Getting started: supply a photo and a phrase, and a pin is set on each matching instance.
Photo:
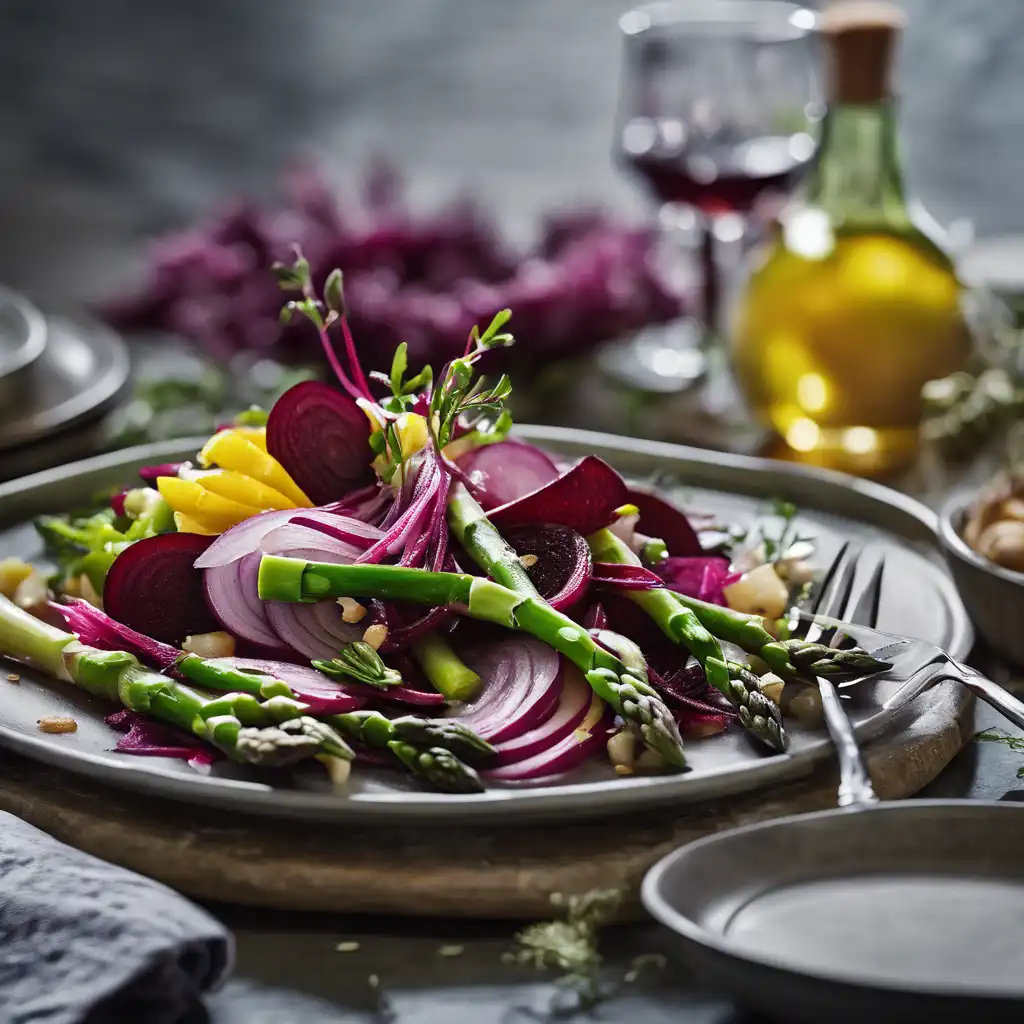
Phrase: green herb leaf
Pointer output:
(359, 661)
(399, 365)
(333, 294)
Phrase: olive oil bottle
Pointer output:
(850, 307)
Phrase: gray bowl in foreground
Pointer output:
(992, 595)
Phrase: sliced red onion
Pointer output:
(500, 473)
(242, 539)
(520, 676)
(232, 596)
(152, 473)
(627, 577)
(324, 695)
(398, 695)
(595, 618)
(344, 528)
(573, 704)
(313, 630)
(572, 750)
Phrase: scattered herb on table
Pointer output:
(999, 736)
(569, 945)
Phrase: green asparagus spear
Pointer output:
(292, 579)
(759, 714)
(790, 659)
(639, 703)
(437, 749)
(268, 734)
(445, 670)
(683, 626)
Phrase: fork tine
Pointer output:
(826, 583)
(865, 611)
(835, 592)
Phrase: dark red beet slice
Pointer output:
(583, 498)
(660, 518)
(151, 738)
(702, 577)
(562, 570)
(154, 588)
(628, 577)
(322, 438)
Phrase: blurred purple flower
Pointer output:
(422, 280)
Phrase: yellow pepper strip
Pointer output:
(230, 450)
(258, 436)
(238, 487)
(189, 524)
(190, 498)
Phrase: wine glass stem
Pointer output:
(710, 282)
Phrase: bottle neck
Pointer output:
(857, 180)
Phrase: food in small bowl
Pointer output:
(983, 541)
(994, 523)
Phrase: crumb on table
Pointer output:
(13, 677)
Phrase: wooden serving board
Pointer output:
(434, 870)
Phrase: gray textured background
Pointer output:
(120, 118)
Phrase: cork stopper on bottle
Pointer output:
(861, 37)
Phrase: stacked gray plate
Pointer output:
(58, 375)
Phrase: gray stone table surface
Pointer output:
(119, 119)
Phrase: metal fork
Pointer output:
(834, 602)
(919, 665)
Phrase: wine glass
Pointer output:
(717, 116)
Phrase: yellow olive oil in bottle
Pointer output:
(850, 307)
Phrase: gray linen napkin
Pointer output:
(83, 940)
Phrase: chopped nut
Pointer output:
(650, 762)
(57, 723)
(13, 677)
(759, 592)
(346, 947)
(452, 950)
(32, 591)
(622, 749)
(1003, 543)
(210, 645)
(338, 769)
(376, 635)
(528, 561)
(771, 686)
(351, 610)
(12, 572)
(805, 706)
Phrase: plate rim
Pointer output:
(592, 799)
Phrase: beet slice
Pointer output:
(584, 498)
(660, 518)
(153, 588)
(561, 572)
(322, 438)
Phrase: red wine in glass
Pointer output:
(721, 173)
(716, 176)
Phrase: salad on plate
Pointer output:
(375, 572)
